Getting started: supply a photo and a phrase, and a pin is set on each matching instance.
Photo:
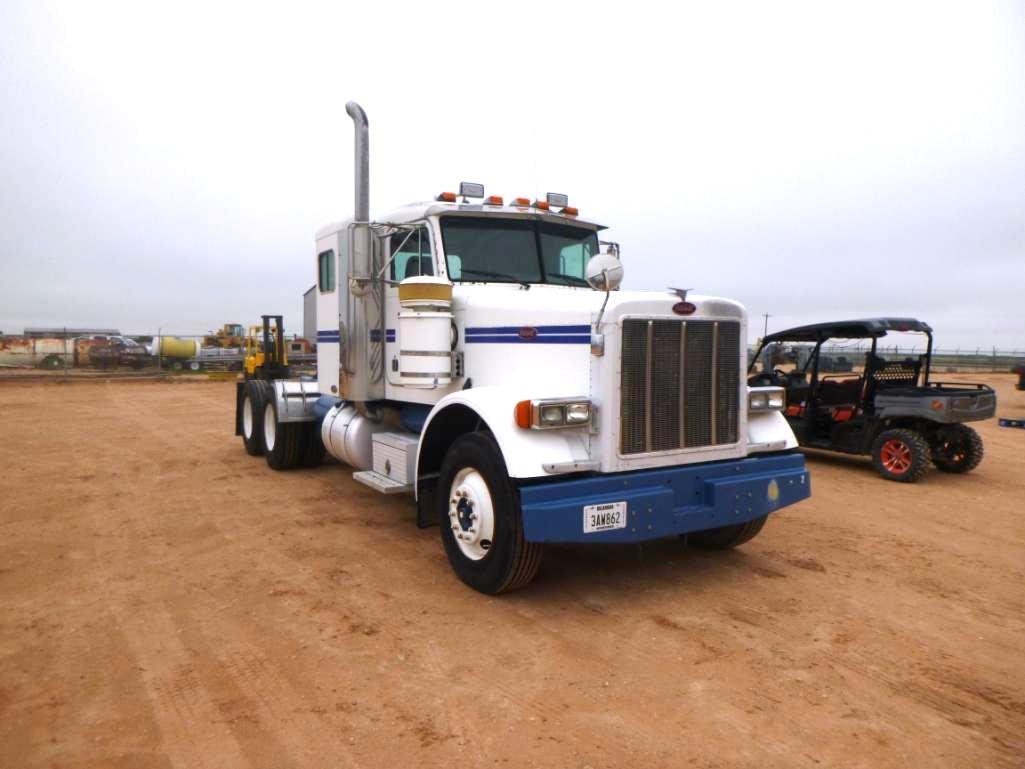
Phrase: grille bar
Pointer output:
(712, 405)
(682, 393)
(648, 376)
(679, 386)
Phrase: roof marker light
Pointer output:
(541, 205)
(493, 200)
(446, 197)
(569, 211)
(521, 202)
(557, 199)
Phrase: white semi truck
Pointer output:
(478, 355)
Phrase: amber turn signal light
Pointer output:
(523, 414)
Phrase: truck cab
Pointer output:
(480, 355)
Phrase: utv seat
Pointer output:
(838, 392)
(882, 374)
(843, 413)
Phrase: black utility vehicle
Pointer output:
(891, 410)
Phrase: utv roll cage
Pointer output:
(868, 328)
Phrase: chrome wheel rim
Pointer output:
(270, 427)
(471, 513)
(247, 417)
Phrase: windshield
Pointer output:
(479, 249)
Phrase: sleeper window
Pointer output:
(326, 271)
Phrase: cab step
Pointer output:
(382, 483)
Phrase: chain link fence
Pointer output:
(84, 353)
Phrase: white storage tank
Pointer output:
(425, 331)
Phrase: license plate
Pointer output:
(605, 517)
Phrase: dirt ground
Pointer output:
(168, 601)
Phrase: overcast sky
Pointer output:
(168, 164)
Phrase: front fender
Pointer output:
(526, 452)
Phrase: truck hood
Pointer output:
(540, 337)
(541, 305)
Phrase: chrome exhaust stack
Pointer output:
(362, 374)
(361, 163)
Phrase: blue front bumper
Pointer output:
(666, 501)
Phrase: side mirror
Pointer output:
(604, 271)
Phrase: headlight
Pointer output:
(578, 413)
(549, 414)
(766, 399)
(552, 416)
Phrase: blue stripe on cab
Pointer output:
(503, 330)
(515, 339)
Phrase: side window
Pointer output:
(571, 259)
(326, 271)
(411, 254)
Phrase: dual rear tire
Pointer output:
(280, 439)
(283, 444)
(254, 402)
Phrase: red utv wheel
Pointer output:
(901, 455)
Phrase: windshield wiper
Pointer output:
(578, 281)
(489, 274)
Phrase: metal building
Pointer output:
(310, 314)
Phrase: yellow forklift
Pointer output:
(264, 355)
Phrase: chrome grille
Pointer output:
(680, 384)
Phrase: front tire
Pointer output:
(901, 455)
(726, 537)
(957, 449)
(481, 520)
